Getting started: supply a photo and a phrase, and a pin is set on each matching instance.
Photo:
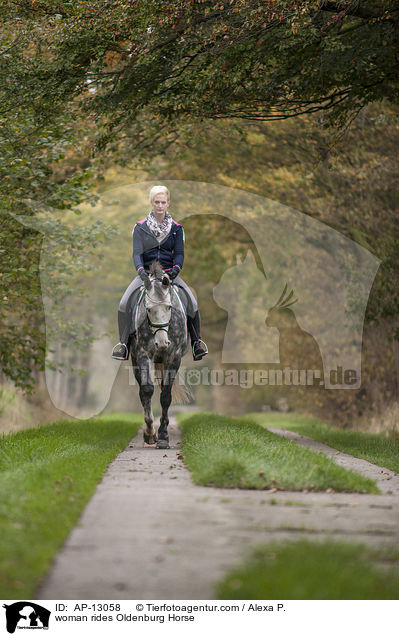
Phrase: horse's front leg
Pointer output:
(166, 399)
(143, 377)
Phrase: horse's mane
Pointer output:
(156, 269)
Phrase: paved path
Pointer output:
(150, 533)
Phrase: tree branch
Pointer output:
(356, 9)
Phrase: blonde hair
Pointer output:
(159, 189)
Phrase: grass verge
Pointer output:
(307, 570)
(238, 453)
(377, 449)
(47, 475)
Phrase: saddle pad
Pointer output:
(181, 298)
(181, 303)
(135, 311)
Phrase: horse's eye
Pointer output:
(169, 306)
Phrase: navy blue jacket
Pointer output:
(146, 248)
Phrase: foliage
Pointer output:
(353, 191)
(30, 182)
(143, 69)
(45, 165)
(138, 78)
(22, 343)
(23, 336)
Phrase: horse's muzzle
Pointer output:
(162, 345)
(161, 341)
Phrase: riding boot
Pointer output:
(194, 328)
(121, 350)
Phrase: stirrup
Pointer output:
(199, 356)
(124, 355)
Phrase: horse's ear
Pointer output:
(147, 284)
(165, 281)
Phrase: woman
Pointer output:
(158, 237)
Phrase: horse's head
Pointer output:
(158, 304)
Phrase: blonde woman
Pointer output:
(158, 238)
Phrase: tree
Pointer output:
(154, 67)
(44, 165)
(354, 191)
(136, 77)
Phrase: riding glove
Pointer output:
(143, 275)
(174, 272)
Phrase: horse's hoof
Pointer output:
(150, 440)
(163, 443)
(152, 445)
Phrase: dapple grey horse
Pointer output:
(160, 338)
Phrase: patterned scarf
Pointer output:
(159, 231)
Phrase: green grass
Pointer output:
(307, 570)
(47, 475)
(377, 449)
(236, 453)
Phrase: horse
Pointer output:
(160, 338)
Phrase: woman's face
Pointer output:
(160, 203)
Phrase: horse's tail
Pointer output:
(181, 393)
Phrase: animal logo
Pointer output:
(259, 331)
(298, 349)
(26, 615)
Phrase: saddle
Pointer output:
(137, 300)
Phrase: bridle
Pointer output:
(155, 326)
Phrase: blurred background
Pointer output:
(248, 232)
(276, 128)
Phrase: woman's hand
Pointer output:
(174, 272)
(145, 278)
